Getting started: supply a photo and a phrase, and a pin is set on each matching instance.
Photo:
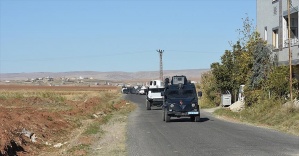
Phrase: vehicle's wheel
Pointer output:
(197, 119)
(167, 117)
(163, 115)
(192, 118)
(148, 105)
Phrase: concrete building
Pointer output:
(272, 24)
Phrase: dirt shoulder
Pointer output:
(113, 140)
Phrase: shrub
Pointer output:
(253, 96)
(210, 95)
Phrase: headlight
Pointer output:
(193, 104)
(172, 105)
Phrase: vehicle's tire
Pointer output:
(167, 117)
(197, 119)
(148, 105)
(192, 118)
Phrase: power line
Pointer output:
(73, 57)
(190, 51)
(100, 56)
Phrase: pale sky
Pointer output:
(117, 35)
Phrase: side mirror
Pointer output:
(199, 94)
(162, 93)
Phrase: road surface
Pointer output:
(149, 135)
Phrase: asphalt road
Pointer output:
(149, 135)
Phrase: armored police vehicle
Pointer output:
(180, 99)
(153, 94)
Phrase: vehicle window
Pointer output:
(173, 93)
(156, 90)
(188, 92)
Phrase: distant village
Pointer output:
(65, 81)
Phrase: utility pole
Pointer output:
(290, 53)
(161, 64)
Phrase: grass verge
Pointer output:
(204, 103)
(105, 136)
(268, 114)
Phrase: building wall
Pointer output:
(267, 18)
(284, 53)
(271, 15)
(283, 56)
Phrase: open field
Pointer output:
(56, 120)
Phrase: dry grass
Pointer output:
(107, 135)
(77, 107)
(269, 113)
(112, 142)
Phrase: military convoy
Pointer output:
(180, 99)
(177, 97)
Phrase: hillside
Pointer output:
(193, 74)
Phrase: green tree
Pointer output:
(223, 72)
(262, 64)
(278, 81)
(239, 71)
(246, 32)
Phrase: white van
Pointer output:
(154, 97)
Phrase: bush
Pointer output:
(278, 81)
(252, 96)
(210, 95)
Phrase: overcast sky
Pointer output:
(117, 35)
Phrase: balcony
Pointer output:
(294, 42)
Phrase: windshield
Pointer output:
(173, 93)
(180, 93)
(156, 90)
(188, 93)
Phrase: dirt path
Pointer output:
(113, 140)
(110, 139)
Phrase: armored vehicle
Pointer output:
(180, 99)
(153, 94)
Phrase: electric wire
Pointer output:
(100, 56)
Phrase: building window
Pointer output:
(266, 34)
(294, 33)
(275, 39)
(294, 28)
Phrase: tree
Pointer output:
(261, 64)
(223, 72)
(245, 34)
(278, 81)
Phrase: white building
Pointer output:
(272, 24)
